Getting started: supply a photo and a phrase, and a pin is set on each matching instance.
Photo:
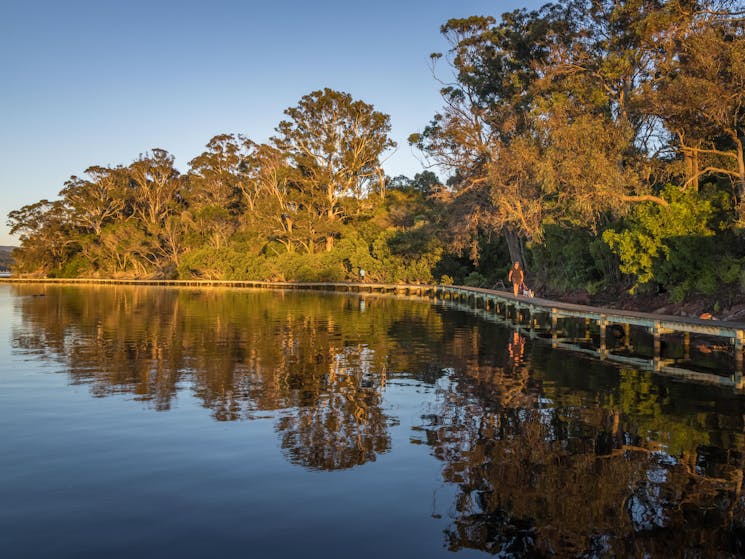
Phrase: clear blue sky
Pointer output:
(99, 82)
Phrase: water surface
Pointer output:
(154, 422)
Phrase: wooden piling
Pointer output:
(657, 342)
(554, 327)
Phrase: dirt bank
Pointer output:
(723, 306)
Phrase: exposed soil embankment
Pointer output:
(723, 306)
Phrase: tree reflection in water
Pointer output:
(316, 362)
(345, 427)
(551, 455)
(542, 473)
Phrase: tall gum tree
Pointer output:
(97, 200)
(155, 184)
(275, 215)
(217, 191)
(605, 63)
(46, 234)
(335, 144)
(543, 121)
(699, 91)
(484, 136)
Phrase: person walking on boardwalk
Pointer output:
(517, 277)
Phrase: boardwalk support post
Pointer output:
(739, 339)
(554, 327)
(657, 335)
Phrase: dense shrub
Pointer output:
(684, 248)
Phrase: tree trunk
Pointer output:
(691, 163)
(740, 170)
(514, 244)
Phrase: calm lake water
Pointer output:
(157, 422)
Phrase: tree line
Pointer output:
(598, 142)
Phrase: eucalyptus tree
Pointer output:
(124, 249)
(699, 90)
(47, 237)
(426, 183)
(543, 123)
(217, 190)
(672, 73)
(335, 144)
(155, 185)
(95, 203)
(277, 211)
(696, 93)
(158, 207)
(484, 135)
(99, 199)
(616, 50)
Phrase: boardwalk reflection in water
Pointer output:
(545, 454)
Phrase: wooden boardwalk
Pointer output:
(575, 327)
(607, 333)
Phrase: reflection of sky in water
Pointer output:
(645, 511)
(646, 505)
(658, 475)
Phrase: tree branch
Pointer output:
(645, 198)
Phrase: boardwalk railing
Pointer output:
(576, 327)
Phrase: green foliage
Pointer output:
(570, 259)
(208, 263)
(398, 263)
(75, 267)
(474, 279)
(453, 267)
(681, 247)
(594, 287)
(425, 183)
(650, 229)
(318, 268)
(381, 257)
